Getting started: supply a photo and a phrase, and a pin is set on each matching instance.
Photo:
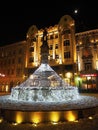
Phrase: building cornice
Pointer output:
(86, 32)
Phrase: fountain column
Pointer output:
(44, 49)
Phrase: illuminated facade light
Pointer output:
(54, 117)
(79, 66)
(14, 123)
(68, 74)
(1, 119)
(71, 116)
(88, 78)
(90, 117)
(35, 124)
(97, 64)
(19, 118)
(37, 118)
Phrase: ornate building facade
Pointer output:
(67, 55)
(87, 59)
(62, 47)
(12, 65)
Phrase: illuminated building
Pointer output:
(19, 60)
(12, 65)
(87, 58)
(62, 49)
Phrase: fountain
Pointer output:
(45, 97)
(44, 85)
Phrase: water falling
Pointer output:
(44, 85)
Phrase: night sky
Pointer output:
(17, 17)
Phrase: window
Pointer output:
(2, 54)
(51, 36)
(18, 72)
(41, 39)
(67, 31)
(31, 59)
(14, 52)
(88, 66)
(67, 54)
(19, 60)
(66, 43)
(20, 51)
(31, 49)
(51, 47)
(9, 62)
(8, 72)
(12, 71)
(56, 36)
(57, 56)
(51, 57)
(10, 53)
(33, 39)
(31, 43)
(13, 61)
(56, 46)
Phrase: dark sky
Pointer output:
(17, 17)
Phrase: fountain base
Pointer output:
(47, 116)
(45, 112)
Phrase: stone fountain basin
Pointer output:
(40, 112)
